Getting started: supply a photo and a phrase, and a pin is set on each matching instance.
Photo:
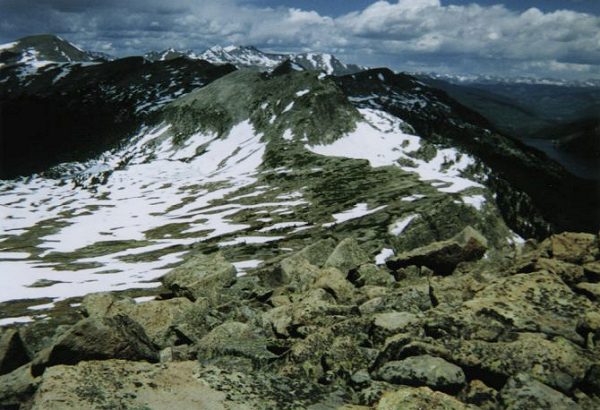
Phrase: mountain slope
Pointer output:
(570, 204)
(40, 50)
(253, 164)
(73, 111)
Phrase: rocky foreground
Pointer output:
(444, 326)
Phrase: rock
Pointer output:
(118, 384)
(12, 351)
(455, 289)
(334, 281)
(555, 362)
(418, 398)
(443, 256)
(574, 247)
(157, 317)
(235, 339)
(116, 337)
(201, 276)
(423, 370)
(319, 308)
(520, 303)
(297, 272)
(523, 392)
(408, 295)
(317, 253)
(302, 268)
(568, 272)
(104, 304)
(591, 290)
(390, 323)
(179, 353)
(371, 275)
(347, 256)
(267, 390)
(17, 387)
(480, 395)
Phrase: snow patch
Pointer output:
(399, 226)
(384, 255)
(359, 210)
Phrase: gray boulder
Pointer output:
(424, 370)
(444, 256)
(523, 392)
(116, 337)
(201, 276)
(347, 255)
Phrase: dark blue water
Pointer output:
(584, 168)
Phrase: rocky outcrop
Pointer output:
(325, 328)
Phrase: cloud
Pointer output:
(400, 34)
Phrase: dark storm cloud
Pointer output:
(401, 34)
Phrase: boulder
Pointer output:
(521, 303)
(347, 256)
(116, 337)
(574, 247)
(157, 317)
(479, 394)
(17, 387)
(371, 275)
(201, 276)
(301, 268)
(119, 384)
(298, 272)
(12, 351)
(443, 257)
(235, 339)
(334, 281)
(390, 323)
(523, 392)
(418, 398)
(423, 370)
(104, 304)
(554, 361)
(317, 253)
(409, 295)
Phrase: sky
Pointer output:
(539, 38)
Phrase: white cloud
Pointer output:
(383, 33)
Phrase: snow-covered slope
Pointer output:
(40, 50)
(170, 54)
(257, 187)
(242, 56)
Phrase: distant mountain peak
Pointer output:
(252, 57)
(43, 49)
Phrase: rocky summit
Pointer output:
(326, 327)
(240, 229)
